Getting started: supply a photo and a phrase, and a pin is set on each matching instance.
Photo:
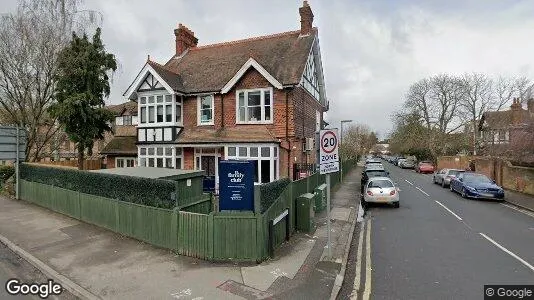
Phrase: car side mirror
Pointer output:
(461, 179)
(494, 181)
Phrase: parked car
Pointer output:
(381, 190)
(424, 167)
(374, 166)
(444, 176)
(406, 164)
(474, 185)
(370, 173)
(395, 160)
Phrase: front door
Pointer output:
(207, 164)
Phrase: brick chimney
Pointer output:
(516, 111)
(306, 18)
(185, 39)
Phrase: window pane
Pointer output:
(256, 170)
(254, 113)
(150, 151)
(151, 99)
(118, 120)
(159, 151)
(168, 162)
(178, 151)
(120, 163)
(129, 163)
(242, 151)
(159, 162)
(168, 98)
(254, 151)
(160, 113)
(143, 114)
(254, 98)
(242, 114)
(142, 162)
(267, 99)
(178, 113)
(178, 163)
(143, 151)
(241, 99)
(265, 171)
(159, 99)
(275, 149)
(168, 151)
(168, 113)
(151, 162)
(231, 151)
(265, 151)
(151, 110)
(275, 168)
(267, 113)
(127, 120)
(143, 100)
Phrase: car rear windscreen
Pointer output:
(380, 184)
(454, 172)
(376, 174)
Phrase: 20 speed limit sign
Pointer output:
(328, 153)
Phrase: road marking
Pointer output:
(408, 182)
(521, 210)
(368, 276)
(357, 277)
(457, 217)
(508, 251)
(422, 191)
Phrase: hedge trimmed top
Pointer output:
(151, 192)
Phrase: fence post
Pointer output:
(211, 236)
(271, 238)
(174, 228)
(287, 225)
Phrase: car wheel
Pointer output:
(464, 195)
(396, 204)
(450, 187)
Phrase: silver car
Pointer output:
(381, 190)
(444, 176)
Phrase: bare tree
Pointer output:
(30, 40)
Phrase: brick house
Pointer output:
(260, 99)
(509, 133)
(120, 150)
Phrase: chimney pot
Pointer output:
(306, 18)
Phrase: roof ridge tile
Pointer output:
(256, 38)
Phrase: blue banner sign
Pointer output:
(236, 185)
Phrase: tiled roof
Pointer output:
(503, 119)
(241, 134)
(121, 145)
(208, 68)
(120, 109)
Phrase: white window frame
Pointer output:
(274, 155)
(124, 160)
(164, 156)
(199, 110)
(118, 121)
(176, 101)
(262, 104)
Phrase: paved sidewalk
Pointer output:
(112, 266)
(520, 199)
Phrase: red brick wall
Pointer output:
(189, 159)
(110, 162)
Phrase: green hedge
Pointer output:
(6, 172)
(150, 192)
(271, 191)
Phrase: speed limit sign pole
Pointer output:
(328, 163)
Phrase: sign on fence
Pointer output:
(328, 151)
(9, 143)
(236, 185)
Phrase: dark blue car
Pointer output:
(473, 185)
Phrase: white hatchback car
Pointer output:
(381, 190)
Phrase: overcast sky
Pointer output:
(372, 50)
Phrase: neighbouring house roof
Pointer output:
(129, 107)
(502, 119)
(122, 145)
(152, 173)
(209, 68)
(241, 134)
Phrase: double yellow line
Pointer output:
(359, 259)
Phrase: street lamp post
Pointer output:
(340, 144)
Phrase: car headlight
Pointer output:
(471, 188)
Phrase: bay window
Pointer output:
(255, 106)
(161, 156)
(159, 108)
(264, 158)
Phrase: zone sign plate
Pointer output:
(329, 146)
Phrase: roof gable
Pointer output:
(251, 63)
(148, 71)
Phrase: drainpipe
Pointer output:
(287, 136)
(222, 110)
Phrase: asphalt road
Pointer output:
(438, 245)
(12, 266)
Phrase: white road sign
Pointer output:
(328, 151)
